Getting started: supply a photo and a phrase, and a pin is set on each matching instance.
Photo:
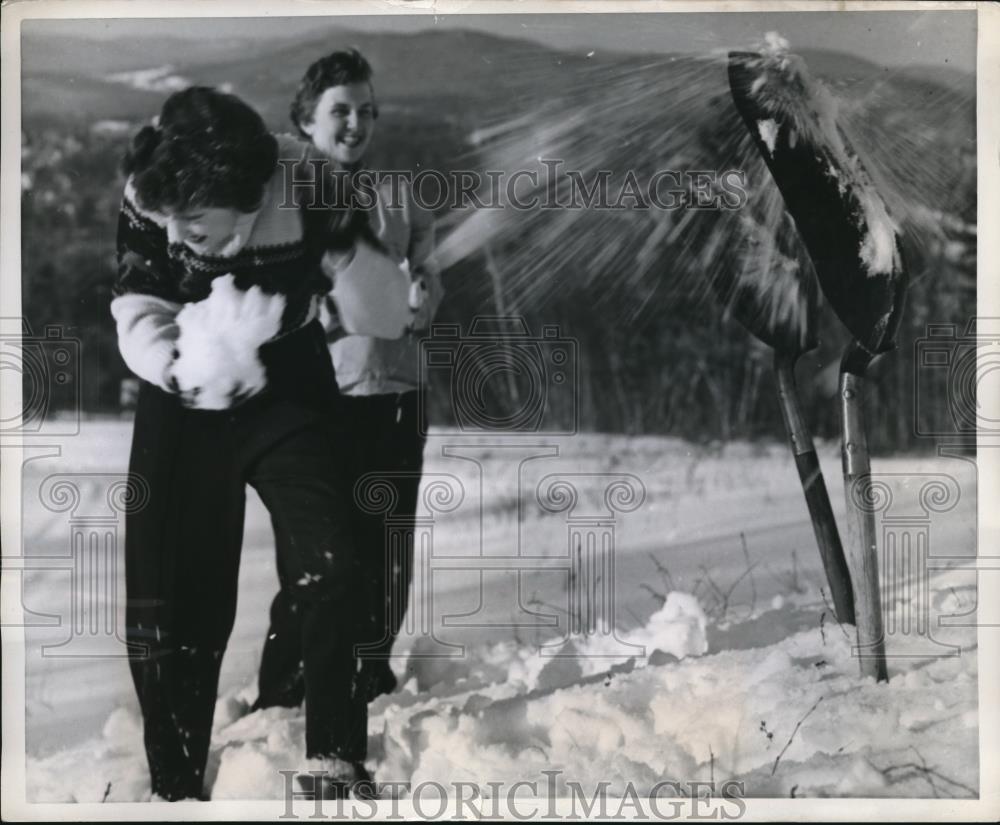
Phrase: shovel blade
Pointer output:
(771, 290)
(841, 218)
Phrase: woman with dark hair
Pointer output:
(216, 305)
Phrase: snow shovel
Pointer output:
(790, 335)
(854, 247)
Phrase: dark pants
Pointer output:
(386, 442)
(183, 554)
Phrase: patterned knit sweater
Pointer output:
(278, 248)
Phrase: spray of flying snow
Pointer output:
(651, 115)
(774, 44)
(670, 114)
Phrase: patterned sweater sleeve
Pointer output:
(146, 302)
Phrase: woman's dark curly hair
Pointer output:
(209, 149)
(340, 68)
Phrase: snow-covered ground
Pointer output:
(725, 661)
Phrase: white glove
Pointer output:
(217, 364)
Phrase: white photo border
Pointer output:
(12, 783)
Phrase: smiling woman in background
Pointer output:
(335, 109)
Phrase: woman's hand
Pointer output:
(418, 294)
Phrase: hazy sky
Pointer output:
(890, 38)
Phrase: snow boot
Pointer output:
(338, 779)
(374, 678)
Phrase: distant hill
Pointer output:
(836, 67)
(445, 73)
(450, 70)
(72, 54)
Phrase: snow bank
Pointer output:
(111, 768)
(791, 717)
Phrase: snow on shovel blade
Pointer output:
(840, 216)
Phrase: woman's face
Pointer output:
(206, 230)
(343, 122)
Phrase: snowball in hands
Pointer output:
(217, 363)
(373, 293)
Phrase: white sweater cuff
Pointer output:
(147, 333)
